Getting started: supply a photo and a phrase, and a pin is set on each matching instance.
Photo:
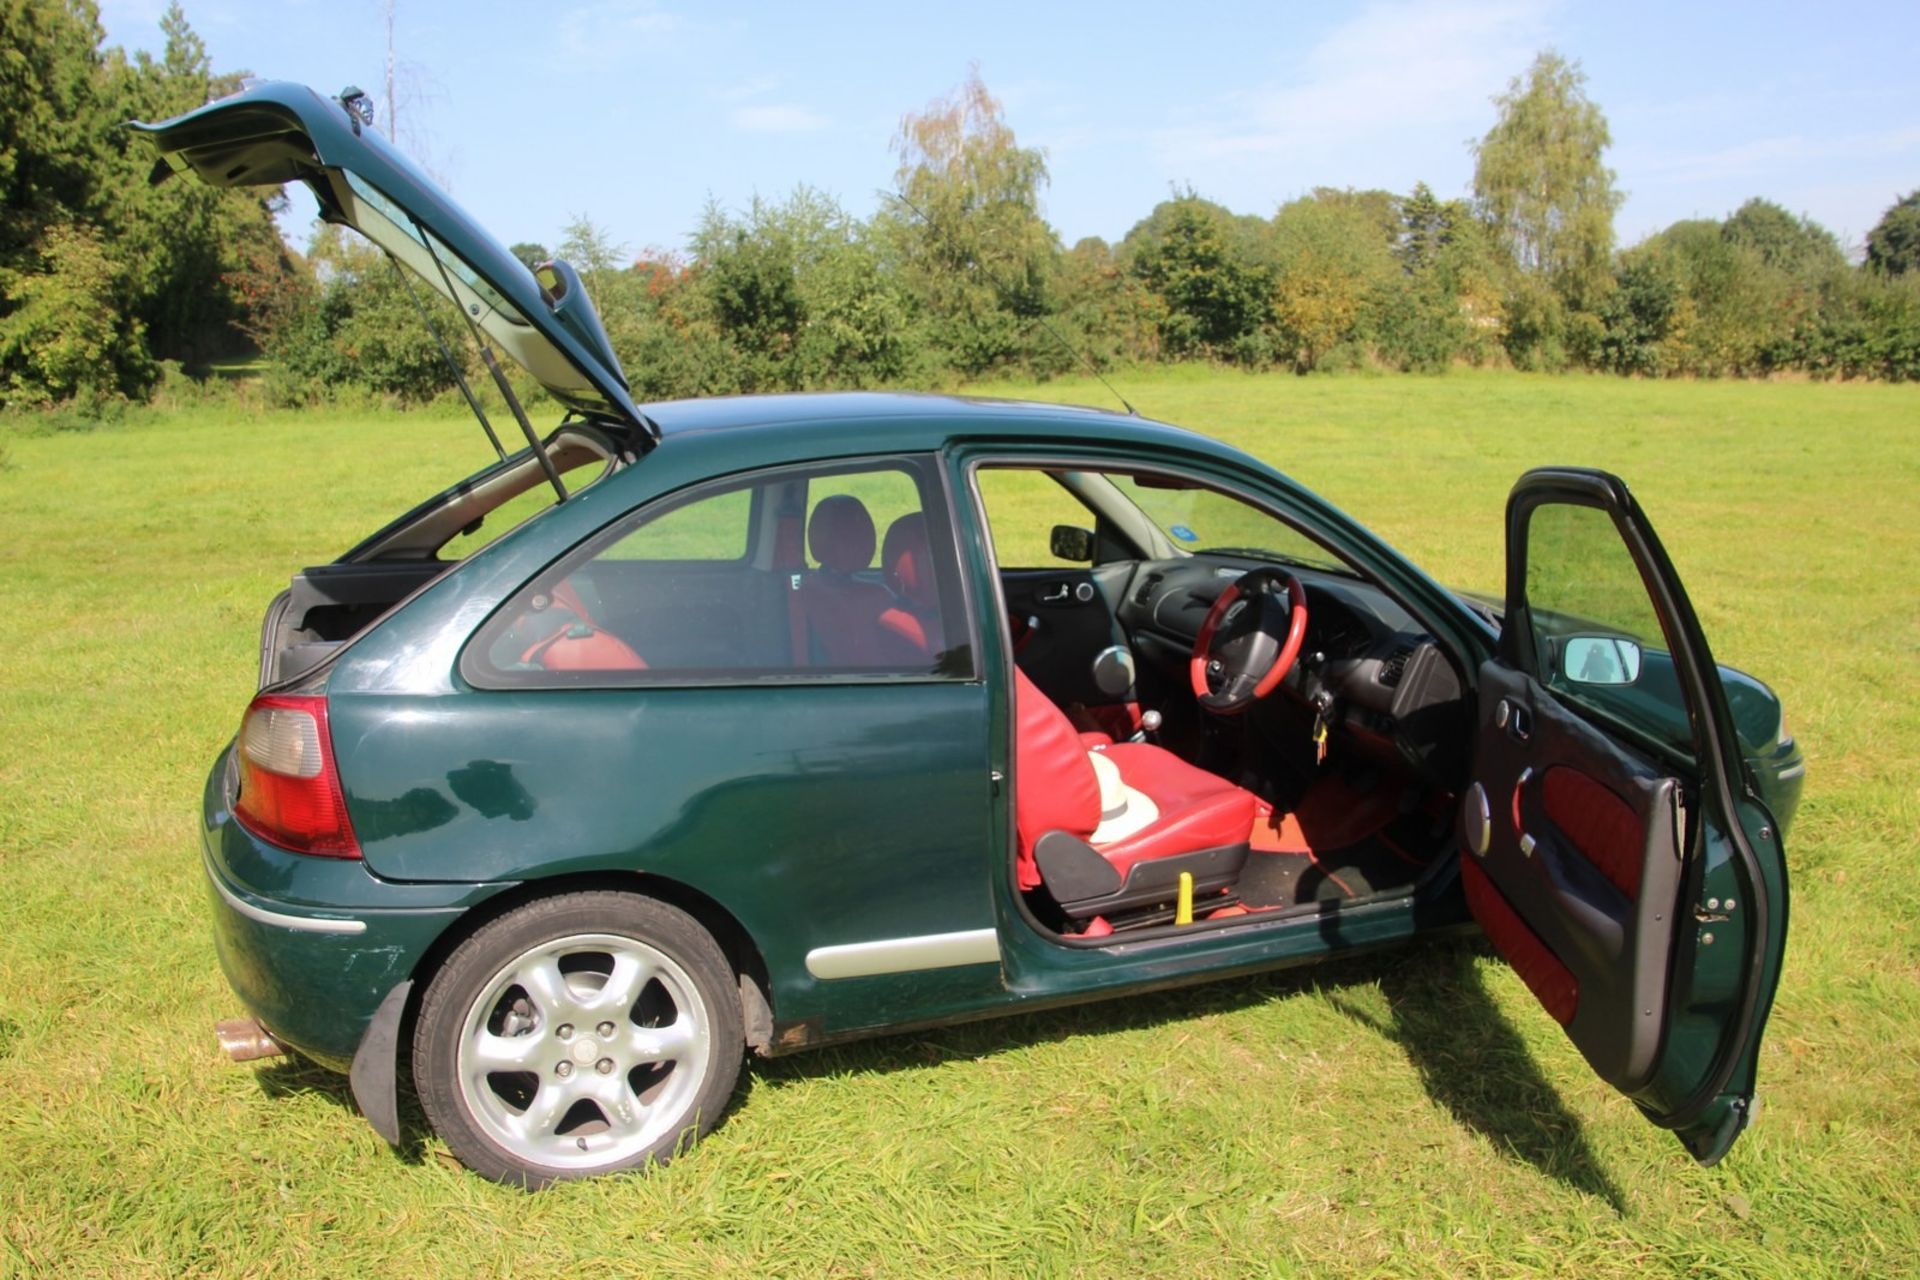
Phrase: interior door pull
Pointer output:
(1058, 593)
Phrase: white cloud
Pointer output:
(756, 87)
(1764, 157)
(780, 117)
(616, 28)
(1396, 68)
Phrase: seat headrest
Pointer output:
(840, 534)
(904, 557)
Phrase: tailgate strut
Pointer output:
(453, 366)
(493, 367)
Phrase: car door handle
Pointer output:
(1065, 592)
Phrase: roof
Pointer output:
(710, 413)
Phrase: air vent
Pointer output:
(1394, 667)
(1147, 585)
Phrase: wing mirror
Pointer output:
(1071, 543)
(1599, 660)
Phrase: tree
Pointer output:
(1209, 272)
(1447, 301)
(594, 253)
(1333, 257)
(63, 338)
(1893, 246)
(183, 243)
(973, 247)
(1800, 247)
(1542, 183)
(74, 199)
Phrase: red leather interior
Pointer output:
(1598, 823)
(836, 616)
(1056, 790)
(583, 647)
(1550, 981)
(1198, 810)
(576, 643)
(1333, 814)
(904, 557)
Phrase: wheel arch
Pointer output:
(756, 988)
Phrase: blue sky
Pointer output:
(635, 112)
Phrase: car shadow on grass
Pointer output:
(1473, 1063)
(1468, 1056)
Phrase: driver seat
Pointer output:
(1200, 823)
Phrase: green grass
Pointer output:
(1406, 1114)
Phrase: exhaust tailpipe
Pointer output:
(244, 1040)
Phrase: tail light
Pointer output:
(289, 789)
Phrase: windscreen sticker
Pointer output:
(1183, 533)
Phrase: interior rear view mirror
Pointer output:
(1072, 543)
(1600, 660)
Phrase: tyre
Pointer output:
(578, 1035)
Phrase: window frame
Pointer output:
(1519, 637)
(930, 481)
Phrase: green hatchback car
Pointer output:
(757, 724)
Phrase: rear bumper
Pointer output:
(312, 945)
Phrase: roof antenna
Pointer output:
(1076, 352)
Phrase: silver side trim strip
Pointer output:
(903, 955)
(1791, 771)
(306, 924)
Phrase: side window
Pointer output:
(1022, 508)
(1596, 638)
(843, 571)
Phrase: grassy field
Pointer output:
(1414, 1114)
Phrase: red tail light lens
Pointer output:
(289, 790)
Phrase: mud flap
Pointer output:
(375, 1070)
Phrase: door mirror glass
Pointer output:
(1600, 660)
(1071, 543)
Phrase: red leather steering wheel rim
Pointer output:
(1289, 651)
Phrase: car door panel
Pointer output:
(1586, 854)
(1062, 618)
(1617, 853)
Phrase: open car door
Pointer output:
(1616, 852)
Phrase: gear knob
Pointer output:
(1150, 721)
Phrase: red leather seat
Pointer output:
(1056, 790)
(836, 618)
(575, 641)
(905, 558)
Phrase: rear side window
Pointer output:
(802, 573)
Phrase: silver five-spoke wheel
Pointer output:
(578, 1035)
(581, 1051)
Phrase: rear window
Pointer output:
(508, 501)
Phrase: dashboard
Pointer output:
(1396, 697)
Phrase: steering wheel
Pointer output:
(1249, 641)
